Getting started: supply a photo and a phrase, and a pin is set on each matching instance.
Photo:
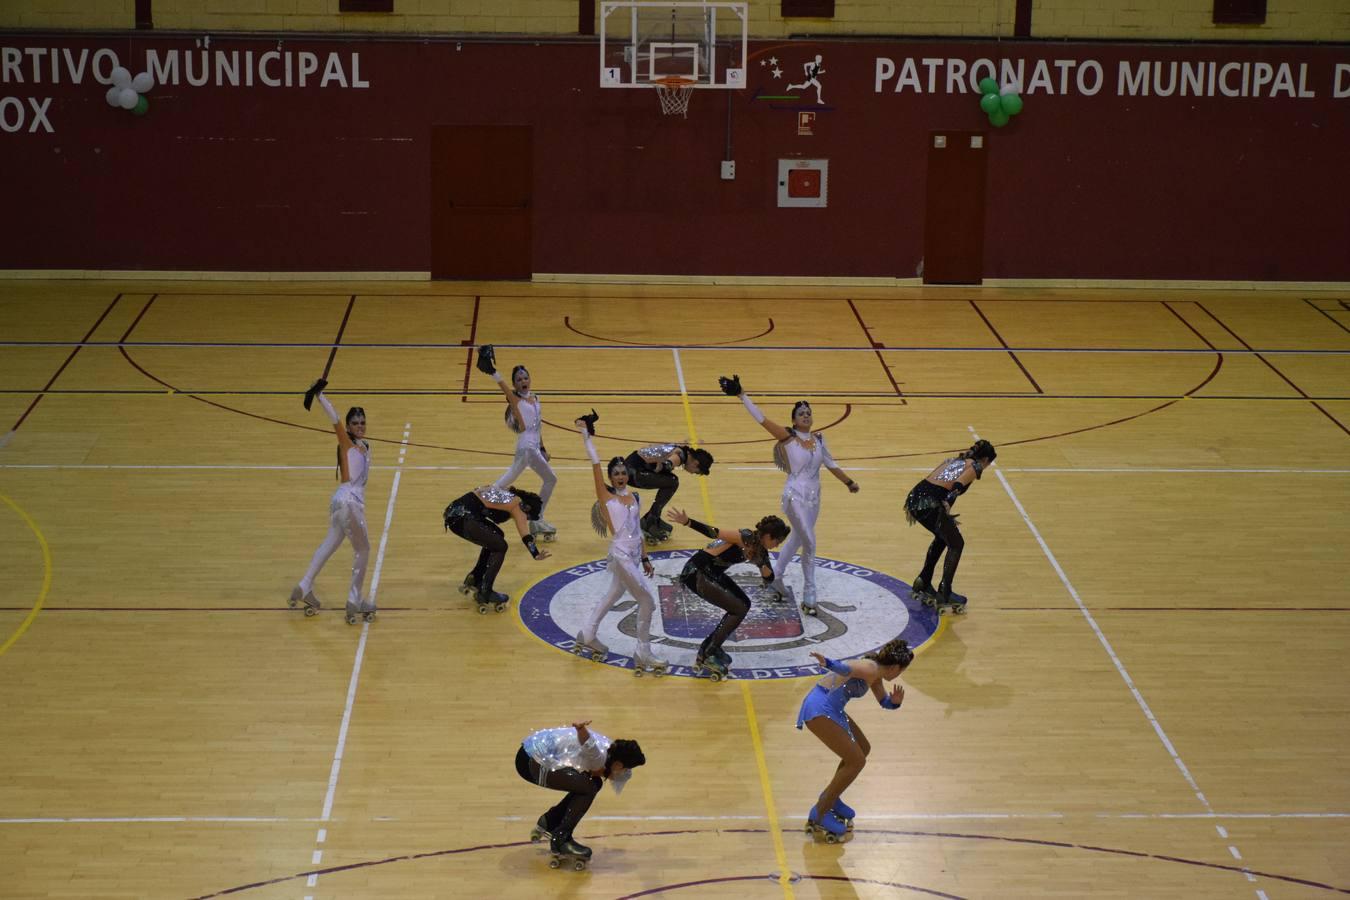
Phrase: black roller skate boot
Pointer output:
(568, 852)
(946, 599)
(922, 589)
(470, 585)
(541, 830)
(487, 597)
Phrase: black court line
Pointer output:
(876, 348)
(52, 380)
(1248, 347)
(1000, 339)
(1334, 321)
(469, 349)
(567, 323)
(328, 366)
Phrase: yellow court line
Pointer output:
(46, 575)
(784, 873)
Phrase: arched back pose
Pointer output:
(346, 511)
(576, 761)
(475, 517)
(930, 504)
(706, 575)
(822, 713)
(800, 453)
(525, 417)
(654, 467)
(617, 512)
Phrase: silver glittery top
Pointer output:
(558, 748)
(951, 470)
(656, 452)
(493, 494)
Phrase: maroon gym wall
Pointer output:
(333, 179)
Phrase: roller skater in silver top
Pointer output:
(576, 761)
(346, 512)
(475, 517)
(800, 453)
(822, 713)
(616, 512)
(705, 574)
(654, 467)
(930, 504)
(525, 417)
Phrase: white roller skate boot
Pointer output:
(809, 600)
(646, 661)
(590, 647)
(299, 596)
(543, 531)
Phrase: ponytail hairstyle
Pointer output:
(982, 453)
(893, 653)
(530, 503)
(351, 414)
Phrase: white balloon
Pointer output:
(127, 98)
(113, 95)
(142, 83)
(121, 77)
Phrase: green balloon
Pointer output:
(142, 105)
(990, 103)
(988, 86)
(998, 119)
(1011, 104)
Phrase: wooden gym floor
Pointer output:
(1148, 698)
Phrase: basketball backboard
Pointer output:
(645, 44)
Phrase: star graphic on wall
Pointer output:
(777, 72)
(773, 61)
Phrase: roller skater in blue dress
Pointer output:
(822, 713)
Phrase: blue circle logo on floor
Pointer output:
(859, 609)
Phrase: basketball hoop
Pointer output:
(674, 92)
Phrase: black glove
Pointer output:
(487, 359)
(730, 386)
(590, 420)
(313, 391)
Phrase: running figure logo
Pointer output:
(813, 72)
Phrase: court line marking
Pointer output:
(1121, 470)
(46, 575)
(766, 787)
(336, 768)
(1106, 644)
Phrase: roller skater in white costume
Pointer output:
(618, 511)
(800, 453)
(346, 512)
(576, 761)
(525, 417)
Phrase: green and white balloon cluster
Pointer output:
(129, 93)
(1000, 105)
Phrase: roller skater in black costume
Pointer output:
(475, 517)
(654, 467)
(706, 575)
(576, 761)
(930, 504)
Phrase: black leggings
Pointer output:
(665, 484)
(719, 590)
(580, 787)
(946, 536)
(490, 538)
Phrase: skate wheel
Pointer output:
(309, 611)
(637, 672)
(715, 676)
(578, 865)
(831, 838)
(809, 829)
(369, 617)
(958, 610)
(292, 603)
(351, 620)
(809, 610)
(553, 863)
(536, 836)
(482, 609)
(597, 657)
(499, 607)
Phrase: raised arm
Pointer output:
(586, 425)
(487, 364)
(680, 517)
(339, 428)
(732, 388)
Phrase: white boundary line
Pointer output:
(1046, 470)
(1115, 660)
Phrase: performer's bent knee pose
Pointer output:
(346, 511)
(576, 761)
(617, 512)
(800, 453)
(654, 467)
(706, 575)
(930, 504)
(822, 712)
(525, 417)
(475, 517)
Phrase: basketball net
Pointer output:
(674, 94)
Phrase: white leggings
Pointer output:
(626, 576)
(801, 515)
(345, 520)
(530, 457)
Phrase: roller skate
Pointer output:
(299, 596)
(543, 531)
(488, 598)
(827, 826)
(470, 585)
(922, 590)
(809, 600)
(711, 665)
(781, 591)
(844, 813)
(368, 610)
(353, 612)
(646, 661)
(592, 648)
(567, 852)
(540, 831)
(946, 599)
(653, 532)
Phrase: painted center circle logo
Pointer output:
(858, 610)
